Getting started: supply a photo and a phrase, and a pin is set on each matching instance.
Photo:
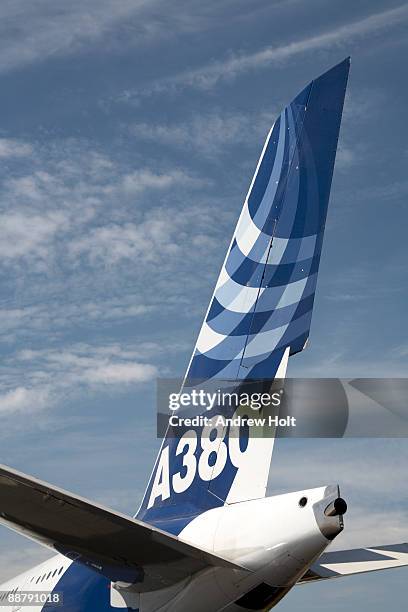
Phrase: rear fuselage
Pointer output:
(273, 539)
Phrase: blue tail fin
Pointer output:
(261, 309)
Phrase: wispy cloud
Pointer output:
(25, 233)
(209, 75)
(345, 157)
(162, 236)
(61, 198)
(207, 133)
(22, 399)
(34, 33)
(10, 147)
(58, 315)
(143, 179)
(52, 374)
(91, 243)
(400, 351)
(76, 216)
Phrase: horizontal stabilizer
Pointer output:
(357, 561)
(119, 547)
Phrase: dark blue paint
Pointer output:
(83, 590)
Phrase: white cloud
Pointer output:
(400, 351)
(162, 235)
(75, 199)
(104, 309)
(78, 361)
(59, 315)
(209, 75)
(121, 373)
(59, 193)
(146, 241)
(345, 156)
(22, 399)
(51, 375)
(34, 32)
(143, 179)
(10, 147)
(207, 133)
(76, 227)
(24, 233)
(349, 155)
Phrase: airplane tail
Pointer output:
(261, 309)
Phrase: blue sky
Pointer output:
(129, 132)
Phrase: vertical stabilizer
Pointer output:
(261, 309)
